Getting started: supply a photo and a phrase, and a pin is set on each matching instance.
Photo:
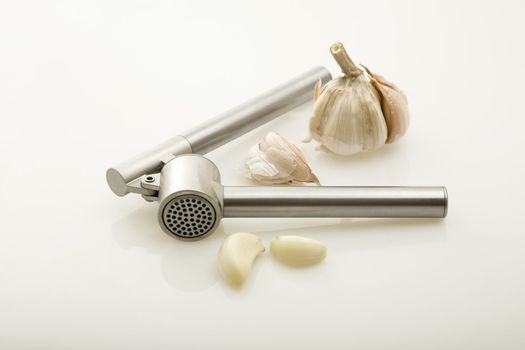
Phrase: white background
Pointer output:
(84, 85)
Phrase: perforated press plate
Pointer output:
(189, 216)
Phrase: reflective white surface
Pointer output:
(84, 85)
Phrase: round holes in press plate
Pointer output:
(189, 216)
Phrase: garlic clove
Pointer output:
(297, 251)
(394, 105)
(259, 169)
(284, 162)
(276, 161)
(272, 167)
(302, 171)
(236, 257)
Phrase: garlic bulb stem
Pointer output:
(344, 61)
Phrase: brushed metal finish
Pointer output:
(195, 177)
(148, 162)
(255, 112)
(219, 130)
(193, 201)
(364, 202)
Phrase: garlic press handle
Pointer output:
(335, 201)
(219, 130)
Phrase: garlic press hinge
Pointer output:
(147, 186)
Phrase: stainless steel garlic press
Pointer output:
(192, 200)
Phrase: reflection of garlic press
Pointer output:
(193, 201)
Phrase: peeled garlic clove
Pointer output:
(276, 161)
(347, 116)
(394, 105)
(236, 257)
(297, 251)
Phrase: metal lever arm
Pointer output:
(385, 202)
(218, 131)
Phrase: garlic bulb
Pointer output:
(276, 161)
(357, 112)
(236, 257)
(297, 251)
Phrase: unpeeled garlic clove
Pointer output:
(394, 105)
(297, 251)
(277, 161)
(236, 257)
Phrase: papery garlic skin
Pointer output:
(394, 105)
(348, 118)
(297, 251)
(236, 257)
(277, 161)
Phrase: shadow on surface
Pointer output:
(191, 266)
(187, 266)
